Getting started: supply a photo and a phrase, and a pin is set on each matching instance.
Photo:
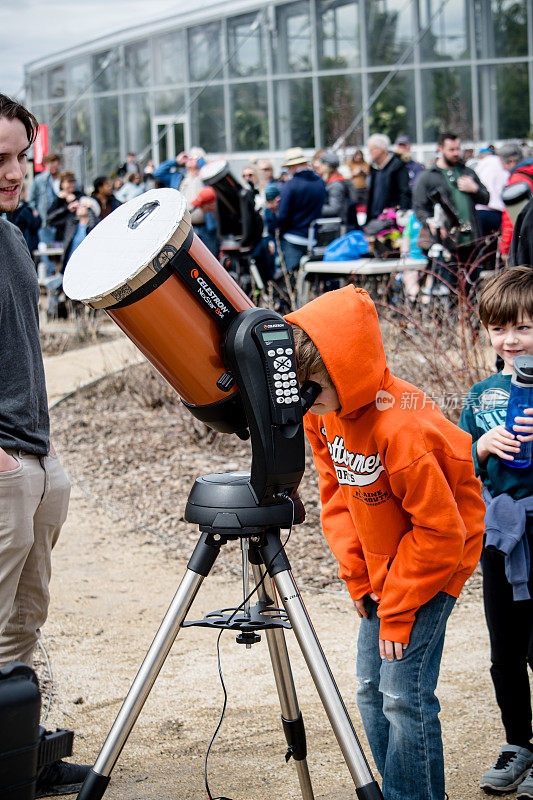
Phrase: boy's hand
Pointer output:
(391, 650)
(524, 426)
(360, 604)
(498, 441)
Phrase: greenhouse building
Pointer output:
(248, 76)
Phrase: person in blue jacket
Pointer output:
(506, 311)
(170, 173)
(301, 201)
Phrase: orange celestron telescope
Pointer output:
(233, 365)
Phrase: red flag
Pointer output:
(40, 148)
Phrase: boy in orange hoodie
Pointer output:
(403, 514)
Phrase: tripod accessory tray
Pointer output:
(262, 617)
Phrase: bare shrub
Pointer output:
(56, 342)
(439, 345)
(148, 390)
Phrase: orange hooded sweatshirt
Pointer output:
(401, 505)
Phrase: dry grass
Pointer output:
(443, 358)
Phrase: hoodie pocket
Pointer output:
(378, 566)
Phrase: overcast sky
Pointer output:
(37, 28)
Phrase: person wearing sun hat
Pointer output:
(301, 201)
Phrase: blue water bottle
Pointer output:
(520, 398)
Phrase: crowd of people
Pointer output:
(448, 214)
(400, 485)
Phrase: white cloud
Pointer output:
(47, 26)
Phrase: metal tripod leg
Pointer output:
(198, 568)
(290, 712)
(279, 568)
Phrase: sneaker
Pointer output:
(508, 771)
(60, 777)
(525, 789)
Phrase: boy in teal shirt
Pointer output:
(506, 311)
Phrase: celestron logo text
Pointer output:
(208, 293)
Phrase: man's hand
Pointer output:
(391, 650)
(467, 184)
(433, 229)
(7, 462)
(498, 441)
(524, 426)
(360, 604)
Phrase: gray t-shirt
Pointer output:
(24, 422)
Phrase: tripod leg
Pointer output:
(279, 568)
(198, 568)
(290, 713)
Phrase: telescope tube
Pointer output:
(145, 266)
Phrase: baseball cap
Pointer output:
(330, 158)
(402, 140)
(272, 191)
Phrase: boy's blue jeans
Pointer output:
(398, 704)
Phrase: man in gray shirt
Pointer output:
(34, 490)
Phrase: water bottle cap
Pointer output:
(523, 370)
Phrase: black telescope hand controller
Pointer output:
(259, 351)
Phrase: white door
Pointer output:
(170, 136)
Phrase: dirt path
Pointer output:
(67, 372)
(110, 589)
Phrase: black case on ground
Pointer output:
(20, 708)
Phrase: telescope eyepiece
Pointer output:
(309, 392)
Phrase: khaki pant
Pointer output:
(33, 507)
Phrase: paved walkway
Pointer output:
(67, 372)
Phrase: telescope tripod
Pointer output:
(225, 508)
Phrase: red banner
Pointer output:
(40, 148)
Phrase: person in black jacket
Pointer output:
(521, 252)
(27, 221)
(75, 218)
(388, 185)
(461, 189)
(60, 208)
